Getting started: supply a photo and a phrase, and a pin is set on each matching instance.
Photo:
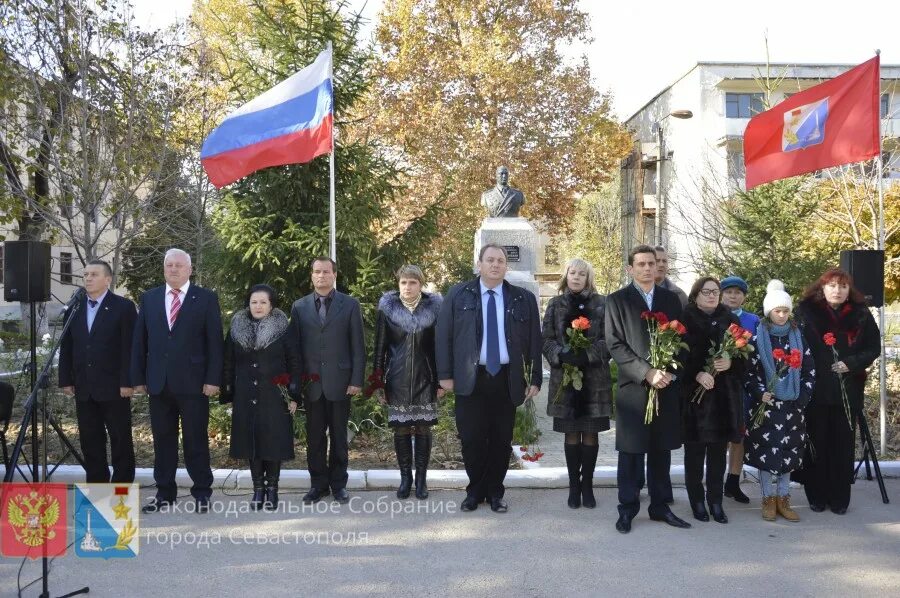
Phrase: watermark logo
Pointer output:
(33, 522)
(107, 520)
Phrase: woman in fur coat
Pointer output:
(257, 351)
(405, 368)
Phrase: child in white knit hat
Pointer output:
(780, 383)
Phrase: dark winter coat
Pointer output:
(719, 415)
(858, 345)
(404, 349)
(777, 445)
(595, 397)
(628, 341)
(255, 353)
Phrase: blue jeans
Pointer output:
(781, 480)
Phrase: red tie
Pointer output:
(176, 305)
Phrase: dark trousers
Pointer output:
(96, 421)
(713, 453)
(828, 471)
(192, 410)
(629, 475)
(327, 467)
(664, 472)
(485, 420)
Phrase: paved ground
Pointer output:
(539, 548)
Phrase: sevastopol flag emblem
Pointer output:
(106, 520)
(804, 126)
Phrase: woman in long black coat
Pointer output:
(258, 349)
(833, 306)
(578, 413)
(404, 363)
(716, 418)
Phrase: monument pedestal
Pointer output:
(520, 240)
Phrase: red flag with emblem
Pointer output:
(830, 124)
(34, 520)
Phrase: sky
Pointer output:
(639, 48)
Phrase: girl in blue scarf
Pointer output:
(776, 446)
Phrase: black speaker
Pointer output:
(26, 271)
(866, 266)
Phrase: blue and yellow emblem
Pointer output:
(106, 520)
(804, 126)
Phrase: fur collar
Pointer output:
(270, 329)
(425, 315)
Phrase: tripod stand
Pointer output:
(39, 382)
(868, 452)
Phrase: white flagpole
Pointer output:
(882, 365)
(332, 242)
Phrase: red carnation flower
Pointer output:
(646, 315)
(662, 318)
(581, 323)
(282, 380)
(778, 354)
(829, 339)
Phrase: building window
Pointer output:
(743, 105)
(65, 268)
(885, 105)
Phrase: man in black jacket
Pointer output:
(329, 328)
(94, 367)
(177, 357)
(488, 332)
(628, 341)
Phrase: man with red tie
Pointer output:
(177, 359)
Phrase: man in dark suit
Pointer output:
(94, 367)
(487, 333)
(329, 327)
(628, 340)
(177, 358)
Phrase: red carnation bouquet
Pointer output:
(831, 341)
(735, 344)
(572, 376)
(282, 382)
(375, 381)
(665, 342)
(783, 363)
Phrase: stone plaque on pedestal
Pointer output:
(519, 239)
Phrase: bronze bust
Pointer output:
(502, 201)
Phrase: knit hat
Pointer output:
(776, 296)
(734, 281)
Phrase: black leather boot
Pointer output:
(273, 473)
(423, 458)
(733, 489)
(403, 447)
(588, 462)
(256, 475)
(573, 464)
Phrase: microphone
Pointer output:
(76, 297)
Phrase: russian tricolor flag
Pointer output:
(291, 123)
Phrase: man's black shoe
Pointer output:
(315, 495)
(203, 505)
(498, 505)
(469, 503)
(156, 504)
(623, 525)
(342, 496)
(672, 520)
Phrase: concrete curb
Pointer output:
(383, 479)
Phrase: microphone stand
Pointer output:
(37, 383)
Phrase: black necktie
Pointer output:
(92, 303)
(493, 337)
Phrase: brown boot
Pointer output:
(768, 508)
(783, 506)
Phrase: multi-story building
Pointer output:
(700, 119)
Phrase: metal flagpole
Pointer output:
(332, 242)
(882, 367)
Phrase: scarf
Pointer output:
(787, 388)
(411, 305)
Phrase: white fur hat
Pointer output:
(776, 296)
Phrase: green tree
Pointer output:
(273, 222)
(767, 232)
